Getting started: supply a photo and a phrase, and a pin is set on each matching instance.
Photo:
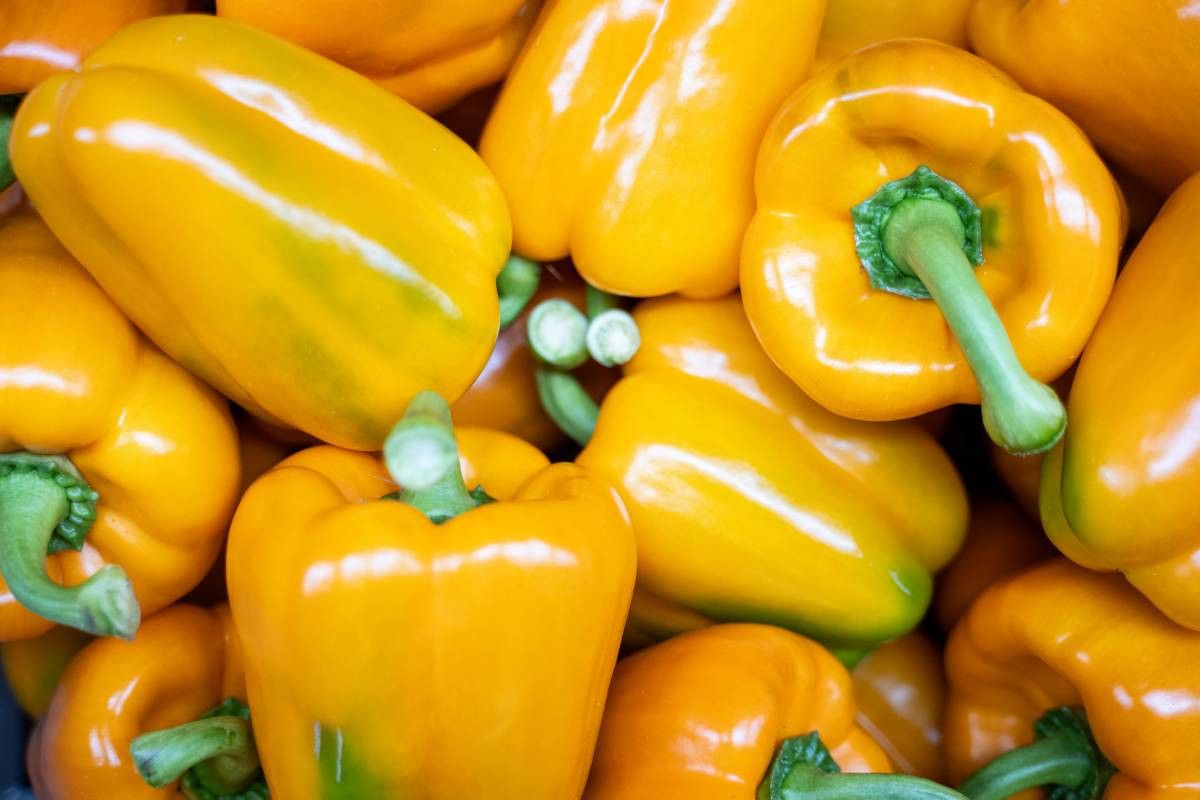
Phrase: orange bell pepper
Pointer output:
(1007, 219)
(752, 503)
(300, 292)
(103, 437)
(421, 50)
(900, 689)
(39, 38)
(1121, 492)
(850, 25)
(32, 667)
(1108, 684)
(1001, 541)
(184, 662)
(625, 135)
(738, 712)
(1125, 70)
(490, 635)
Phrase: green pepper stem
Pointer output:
(8, 110)
(516, 285)
(925, 237)
(598, 301)
(613, 337)
(1054, 760)
(220, 749)
(567, 403)
(421, 454)
(810, 783)
(557, 333)
(37, 497)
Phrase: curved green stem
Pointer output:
(516, 285)
(1064, 756)
(921, 234)
(557, 333)
(804, 770)
(46, 505)
(214, 756)
(598, 301)
(421, 454)
(8, 110)
(567, 403)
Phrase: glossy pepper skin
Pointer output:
(853, 24)
(301, 288)
(490, 638)
(32, 667)
(413, 48)
(701, 715)
(184, 662)
(1137, 108)
(1120, 494)
(1060, 635)
(752, 503)
(1051, 228)
(159, 447)
(614, 143)
(1001, 542)
(901, 689)
(39, 38)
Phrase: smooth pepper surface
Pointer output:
(625, 135)
(853, 24)
(329, 250)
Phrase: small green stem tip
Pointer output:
(8, 110)
(421, 453)
(516, 285)
(613, 337)
(1063, 757)
(214, 758)
(557, 333)
(567, 403)
(920, 237)
(804, 770)
(45, 506)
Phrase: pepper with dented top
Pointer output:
(625, 135)
(429, 641)
(1120, 494)
(1070, 680)
(329, 252)
(912, 171)
(752, 503)
(112, 458)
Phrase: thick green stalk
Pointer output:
(567, 403)
(516, 285)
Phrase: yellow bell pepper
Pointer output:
(992, 203)
(625, 135)
(427, 53)
(752, 503)
(1120, 494)
(389, 656)
(305, 242)
(850, 25)
(32, 667)
(1125, 70)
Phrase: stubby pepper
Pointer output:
(1121, 492)
(184, 664)
(1107, 683)
(32, 667)
(489, 628)
(1001, 542)
(1139, 108)
(738, 712)
(992, 203)
(349, 247)
(900, 690)
(752, 503)
(850, 25)
(112, 457)
(426, 53)
(615, 140)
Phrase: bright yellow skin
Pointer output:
(853, 24)
(625, 136)
(465, 660)
(32, 667)
(158, 446)
(329, 251)
(1052, 228)
(428, 54)
(1061, 635)
(1121, 493)
(753, 504)
(1125, 70)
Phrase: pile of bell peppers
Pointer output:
(601, 400)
